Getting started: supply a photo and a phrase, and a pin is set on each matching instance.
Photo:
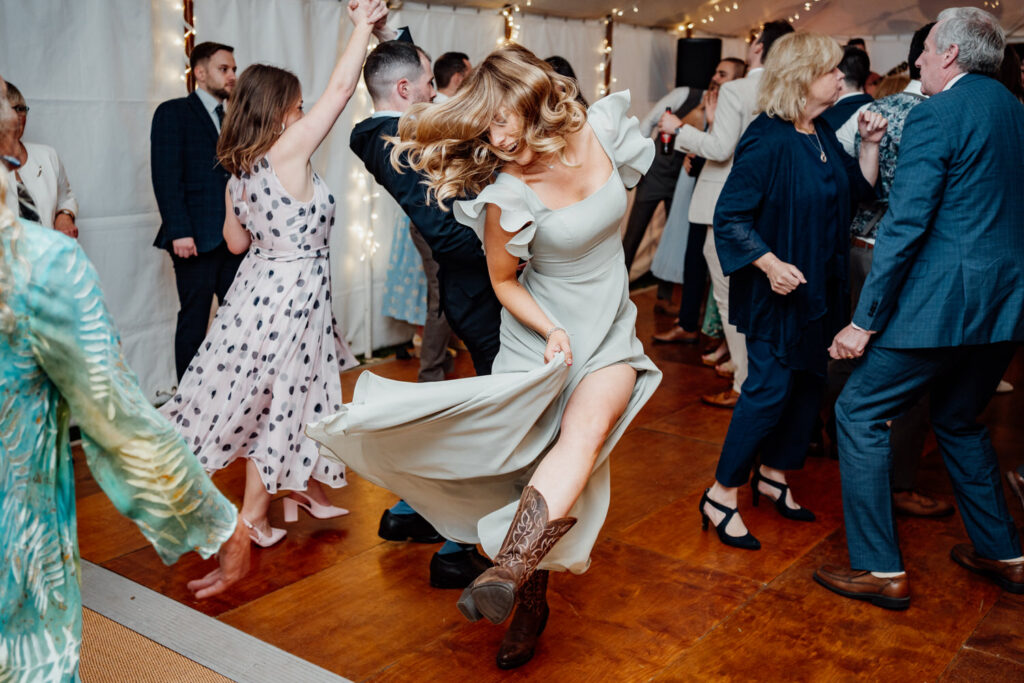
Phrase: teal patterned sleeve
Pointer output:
(135, 455)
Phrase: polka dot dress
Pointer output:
(271, 359)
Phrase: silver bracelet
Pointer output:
(547, 337)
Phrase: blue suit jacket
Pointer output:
(948, 265)
(187, 180)
(465, 285)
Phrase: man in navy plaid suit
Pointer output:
(942, 309)
(189, 186)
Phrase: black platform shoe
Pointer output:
(747, 542)
(798, 514)
(407, 528)
(458, 569)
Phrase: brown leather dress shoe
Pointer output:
(1009, 577)
(891, 593)
(1016, 484)
(917, 504)
(724, 399)
(676, 335)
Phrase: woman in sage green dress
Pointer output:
(60, 356)
(522, 454)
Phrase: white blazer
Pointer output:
(45, 180)
(737, 101)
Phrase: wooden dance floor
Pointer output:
(662, 601)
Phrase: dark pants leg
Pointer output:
(774, 415)
(636, 226)
(434, 358)
(199, 278)
(481, 332)
(695, 279)
(885, 385)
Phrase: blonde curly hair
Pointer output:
(449, 142)
(795, 61)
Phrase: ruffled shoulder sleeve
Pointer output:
(508, 194)
(631, 152)
(236, 190)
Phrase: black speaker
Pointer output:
(696, 59)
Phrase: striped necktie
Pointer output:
(26, 205)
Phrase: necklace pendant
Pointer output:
(824, 159)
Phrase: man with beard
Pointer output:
(189, 186)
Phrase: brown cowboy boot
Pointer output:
(529, 539)
(527, 623)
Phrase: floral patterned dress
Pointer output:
(64, 358)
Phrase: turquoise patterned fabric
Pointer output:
(63, 359)
(405, 287)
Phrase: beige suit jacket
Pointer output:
(737, 101)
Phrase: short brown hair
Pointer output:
(253, 123)
(203, 51)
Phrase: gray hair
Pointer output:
(976, 33)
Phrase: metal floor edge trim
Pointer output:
(203, 639)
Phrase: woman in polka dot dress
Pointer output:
(271, 360)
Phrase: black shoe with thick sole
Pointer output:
(407, 528)
(458, 569)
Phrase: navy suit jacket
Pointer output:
(948, 265)
(840, 112)
(465, 285)
(187, 179)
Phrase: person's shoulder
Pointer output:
(37, 151)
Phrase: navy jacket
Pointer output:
(780, 197)
(187, 180)
(948, 265)
(465, 285)
(839, 113)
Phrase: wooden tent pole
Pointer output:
(188, 17)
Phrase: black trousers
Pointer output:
(199, 278)
(695, 279)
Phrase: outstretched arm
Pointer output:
(297, 144)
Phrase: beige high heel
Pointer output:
(315, 509)
(261, 539)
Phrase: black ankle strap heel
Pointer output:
(798, 514)
(747, 542)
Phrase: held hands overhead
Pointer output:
(369, 12)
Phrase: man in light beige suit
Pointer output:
(734, 111)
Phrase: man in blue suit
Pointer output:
(189, 186)
(398, 75)
(941, 308)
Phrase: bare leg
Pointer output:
(592, 411)
(256, 500)
(771, 491)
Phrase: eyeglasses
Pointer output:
(21, 108)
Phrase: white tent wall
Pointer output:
(92, 98)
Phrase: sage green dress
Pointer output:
(63, 359)
(461, 451)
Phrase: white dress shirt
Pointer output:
(211, 103)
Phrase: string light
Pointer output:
(511, 27)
